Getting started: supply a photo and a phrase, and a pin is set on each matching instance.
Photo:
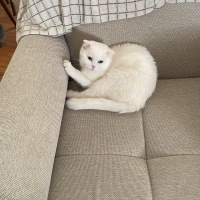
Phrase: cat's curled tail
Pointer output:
(100, 104)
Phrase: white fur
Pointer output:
(122, 83)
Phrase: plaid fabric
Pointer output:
(57, 17)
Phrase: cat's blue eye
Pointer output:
(89, 58)
(100, 61)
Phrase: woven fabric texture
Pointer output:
(163, 33)
(32, 96)
(150, 154)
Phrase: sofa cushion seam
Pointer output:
(177, 155)
(145, 148)
(87, 154)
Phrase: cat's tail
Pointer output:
(100, 104)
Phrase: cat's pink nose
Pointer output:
(93, 66)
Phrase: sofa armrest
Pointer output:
(32, 98)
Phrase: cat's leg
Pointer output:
(100, 104)
(88, 93)
(97, 89)
(73, 94)
(76, 74)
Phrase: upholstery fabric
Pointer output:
(163, 139)
(100, 177)
(101, 133)
(175, 177)
(32, 96)
(172, 118)
(150, 154)
(169, 33)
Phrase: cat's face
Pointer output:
(95, 56)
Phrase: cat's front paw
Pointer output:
(66, 63)
(68, 67)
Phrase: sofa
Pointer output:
(48, 151)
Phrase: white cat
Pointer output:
(118, 79)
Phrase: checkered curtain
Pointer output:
(58, 17)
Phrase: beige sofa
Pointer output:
(50, 152)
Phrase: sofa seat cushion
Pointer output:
(175, 177)
(172, 118)
(153, 153)
(101, 133)
(95, 177)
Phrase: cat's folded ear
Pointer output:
(86, 44)
(110, 52)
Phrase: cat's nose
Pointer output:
(93, 66)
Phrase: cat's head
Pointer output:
(95, 56)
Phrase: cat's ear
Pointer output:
(86, 44)
(110, 52)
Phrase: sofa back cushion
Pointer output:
(171, 34)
